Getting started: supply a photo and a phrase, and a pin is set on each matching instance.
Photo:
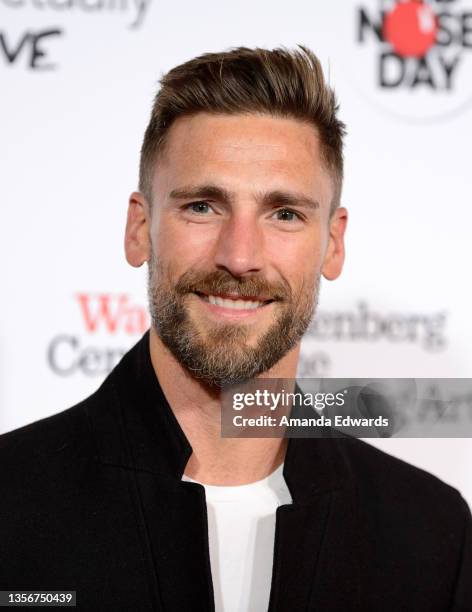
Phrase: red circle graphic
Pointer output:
(411, 28)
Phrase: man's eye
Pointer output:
(285, 214)
(200, 208)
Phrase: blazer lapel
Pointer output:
(176, 522)
(136, 429)
(316, 556)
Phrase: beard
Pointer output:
(219, 354)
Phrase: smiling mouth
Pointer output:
(235, 302)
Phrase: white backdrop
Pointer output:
(77, 79)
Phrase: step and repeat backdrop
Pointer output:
(77, 78)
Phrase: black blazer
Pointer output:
(92, 501)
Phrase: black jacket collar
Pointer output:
(135, 429)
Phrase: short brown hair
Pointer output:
(280, 82)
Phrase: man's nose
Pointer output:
(240, 245)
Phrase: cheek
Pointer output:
(297, 254)
(182, 244)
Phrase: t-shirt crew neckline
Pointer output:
(273, 482)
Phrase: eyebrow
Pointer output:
(289, 198)
(213, 192)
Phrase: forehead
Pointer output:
(245, 150)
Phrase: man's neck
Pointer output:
(197, 408)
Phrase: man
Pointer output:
(132, 498)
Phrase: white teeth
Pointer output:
(234, 304)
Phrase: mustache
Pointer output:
(222, 282)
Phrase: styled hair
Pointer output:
(279, 82)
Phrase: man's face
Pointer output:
(239, 232)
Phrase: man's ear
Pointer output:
(137, 244)
(334, 258)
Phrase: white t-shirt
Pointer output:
(241, 529)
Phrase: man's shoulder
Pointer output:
(72, 427)
(385, 480)
(49, 446)
(44, 430)
(410, 518)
